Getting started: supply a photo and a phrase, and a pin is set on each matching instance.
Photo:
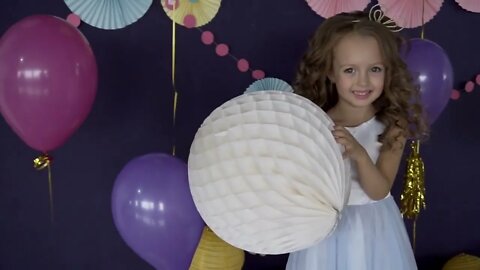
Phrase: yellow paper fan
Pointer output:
(215, 254)
(191, 13)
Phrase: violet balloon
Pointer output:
(154, 211)
(432, 71)
(48, 80)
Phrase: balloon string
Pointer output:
(422, 34)
(175, 93)
(50, 191)
(40, 163)
(414, 238)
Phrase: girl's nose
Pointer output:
(363, 79)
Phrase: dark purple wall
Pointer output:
(132, 116)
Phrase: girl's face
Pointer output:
(358, 71)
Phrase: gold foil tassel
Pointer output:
(41, 162)
(412, 198)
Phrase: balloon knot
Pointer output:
(42, 161)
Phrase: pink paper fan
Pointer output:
(328, 8)
(470, 5)
(408, 13)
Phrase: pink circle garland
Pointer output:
(74, 19)
(190, 21)
(221, 49)
(243, 65)
(207, 37)
(468, 88)
(258, 74)
(455, 95)
(169, 5)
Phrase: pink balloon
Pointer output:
(48, 80)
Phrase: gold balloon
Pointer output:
(215, 254)
(463, 262)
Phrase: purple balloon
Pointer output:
(48, 80)
(154, 211)
(432, 71)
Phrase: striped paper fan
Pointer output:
(191, 13)
(109, 14)
(470, 5)
(266, 174)
(408, 13)
(328, 8)
(269, 84)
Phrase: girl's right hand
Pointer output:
(353, 149)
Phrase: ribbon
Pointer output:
(41, 162)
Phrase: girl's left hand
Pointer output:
(353, 149)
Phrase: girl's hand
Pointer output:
(353, 149)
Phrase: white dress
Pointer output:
(370, 235)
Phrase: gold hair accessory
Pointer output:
(376, 14)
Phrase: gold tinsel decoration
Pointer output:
(215, 254)
(412, 199)
(413, 196)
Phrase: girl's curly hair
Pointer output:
(398, 105)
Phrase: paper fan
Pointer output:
(266, 174)
(191, 13)
(269, 84)
(109, 14)
(328, 8)
(470, 5)
(408, 13)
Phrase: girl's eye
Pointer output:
(348, 70)
(376, 69)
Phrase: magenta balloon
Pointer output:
(48, 80)
(432, 71)
(154, 211)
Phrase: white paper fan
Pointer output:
(328, 8)
(269, 84)
(109, 14)
(264, 172)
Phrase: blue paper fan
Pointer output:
(109, 14)
(269, 84)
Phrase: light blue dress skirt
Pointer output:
(368, 237)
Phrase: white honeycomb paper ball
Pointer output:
(266, 174)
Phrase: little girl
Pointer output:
(353, 71)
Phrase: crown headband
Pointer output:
(377, 15)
